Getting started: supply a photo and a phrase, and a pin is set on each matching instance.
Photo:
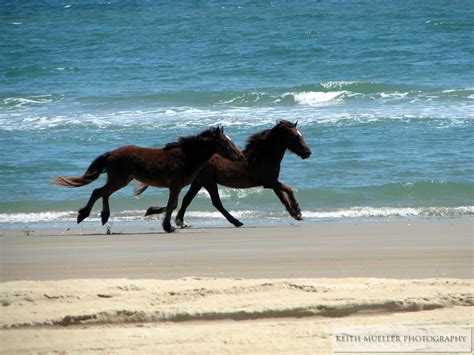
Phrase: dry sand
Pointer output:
(225, 290)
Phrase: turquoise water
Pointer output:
(383, 92)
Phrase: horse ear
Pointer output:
(294, 124)
(222, 129)
(218, 129)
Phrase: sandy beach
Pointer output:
(254, 289)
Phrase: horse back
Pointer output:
(152, 166)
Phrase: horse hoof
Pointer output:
(238, 224)
(149, 211)
(104, 217)
(169, 228)
(81, 217)
(182, 224)
(299, 217)
(154, 210)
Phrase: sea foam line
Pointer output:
(171, 118)
(354, 212)
(313, 98)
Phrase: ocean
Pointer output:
(383, 92)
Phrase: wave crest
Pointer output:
(17, 102)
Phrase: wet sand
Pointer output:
(400, 249)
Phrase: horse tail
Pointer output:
(139, 189)
(96, 168)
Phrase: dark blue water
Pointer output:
(383, 93)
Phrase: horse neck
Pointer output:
(198, 153)
(272, 149)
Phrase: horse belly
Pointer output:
(235, 175)
(237, 180)
(158, 173)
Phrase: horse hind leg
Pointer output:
(192, 192)
(217, 203)
(172, 204)
(194, 189)
(105, 191)
(105, 213)
(85, 211)
(154, 210)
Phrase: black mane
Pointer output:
(204, 136)
(255, 141)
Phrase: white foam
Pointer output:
(255, 216)
(393, 95)
(23, 101)
(227, 193)
(312, 98)
(245, 117)
(366, 212)
(339, 84)
(37, 217)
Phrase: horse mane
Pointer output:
(255, 141)
(204, 136)
(172, 145)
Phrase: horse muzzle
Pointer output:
(237, 157)
(306, 154)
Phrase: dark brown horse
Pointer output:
(174, 166)
(260, 167)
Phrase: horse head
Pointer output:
(224, 145)
(293, 138)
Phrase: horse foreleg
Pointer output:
(193, 190)
(295, 206)
(172, 204)
(217, 203)
(284, 200)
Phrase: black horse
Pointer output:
(259, 167)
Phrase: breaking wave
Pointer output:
(325, 103)
(312, 94)
(251, 216)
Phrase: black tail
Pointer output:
(93, 171)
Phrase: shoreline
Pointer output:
(213, 218)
